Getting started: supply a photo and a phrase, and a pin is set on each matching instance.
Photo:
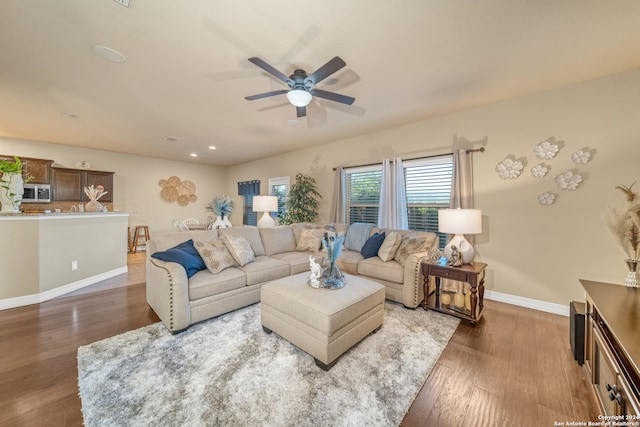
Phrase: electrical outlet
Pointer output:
(74, 265)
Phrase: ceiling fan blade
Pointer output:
(301, 111)
(326, 70)
(332, 96)
(266, 94)
(269, 69)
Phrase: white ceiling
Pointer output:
(186, 72)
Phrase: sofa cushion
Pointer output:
(372, 245)
(240, 249)
(277, 240)
(264, 269)
(185, 255)
(310, 239)
(215, 255)
(164, 241)
(390, 246)
(348, 261)
(413, 243)
(390, 271)
(299, 260)
(204, 284)
(357, 235)
(249, 232)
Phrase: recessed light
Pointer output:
(172, 139)
(193, 155)
(108, 54)
(211, 147)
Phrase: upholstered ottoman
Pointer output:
(323, 322)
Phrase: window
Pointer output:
(362, 193)
(249, 217)
(428, 188)
(279, 187)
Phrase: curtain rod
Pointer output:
(481, 149)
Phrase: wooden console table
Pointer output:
(473, 274)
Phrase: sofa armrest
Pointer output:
(413, 286)
(168, 293)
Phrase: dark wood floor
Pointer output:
(514, 368)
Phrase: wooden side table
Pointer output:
(473, 274)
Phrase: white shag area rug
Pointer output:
(228, 372)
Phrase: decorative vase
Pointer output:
(332, 277)
(11, 191)
(632, 276)
(221, 222)
(93, 206)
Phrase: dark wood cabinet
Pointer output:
(38, 169)
(612, 348)
(68, 184)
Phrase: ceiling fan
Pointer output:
(301, 84)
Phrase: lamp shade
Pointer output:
(265, 203)
(299, 98)
(460, 221)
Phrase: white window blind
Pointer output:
(362, 193)
(428, 186)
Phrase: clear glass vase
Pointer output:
(332, 277)
(632, 276)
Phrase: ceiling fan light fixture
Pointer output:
(299, 98)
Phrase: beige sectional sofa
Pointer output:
(278, 252)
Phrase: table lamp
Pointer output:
(460, 222)
(265, 204)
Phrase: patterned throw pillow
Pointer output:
(215, 255)
(411, 244)
(390, 246)
(240, 249)
(310, 239)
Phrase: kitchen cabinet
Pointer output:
(39, 169)
(68, 184)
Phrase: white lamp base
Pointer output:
(266, 221)
(466, 250)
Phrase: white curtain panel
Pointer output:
(392, 210)
(337, 214)
(462, 182)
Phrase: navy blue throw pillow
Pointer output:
(184, 254)
(371, 246)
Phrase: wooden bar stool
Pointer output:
(140, 231)
(129, 240)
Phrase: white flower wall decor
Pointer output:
(509, 168)
(546, 198)
(580, 157)
(568, 181)
(545, 150)
(539, 171)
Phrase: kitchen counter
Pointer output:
(43, 256)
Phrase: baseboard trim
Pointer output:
(549, 307)
(61, 290)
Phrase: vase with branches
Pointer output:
(11, 184)
(302, 204)
(222, 206)
(624, 226)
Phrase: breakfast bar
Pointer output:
(43, 256)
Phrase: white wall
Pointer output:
(533, 251)
(136, 178)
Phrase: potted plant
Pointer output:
(11, 184)
(222, 206)
(302, 205)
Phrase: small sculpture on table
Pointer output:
(316, 273)
(456, 257)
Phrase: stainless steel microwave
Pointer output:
(36, 193)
